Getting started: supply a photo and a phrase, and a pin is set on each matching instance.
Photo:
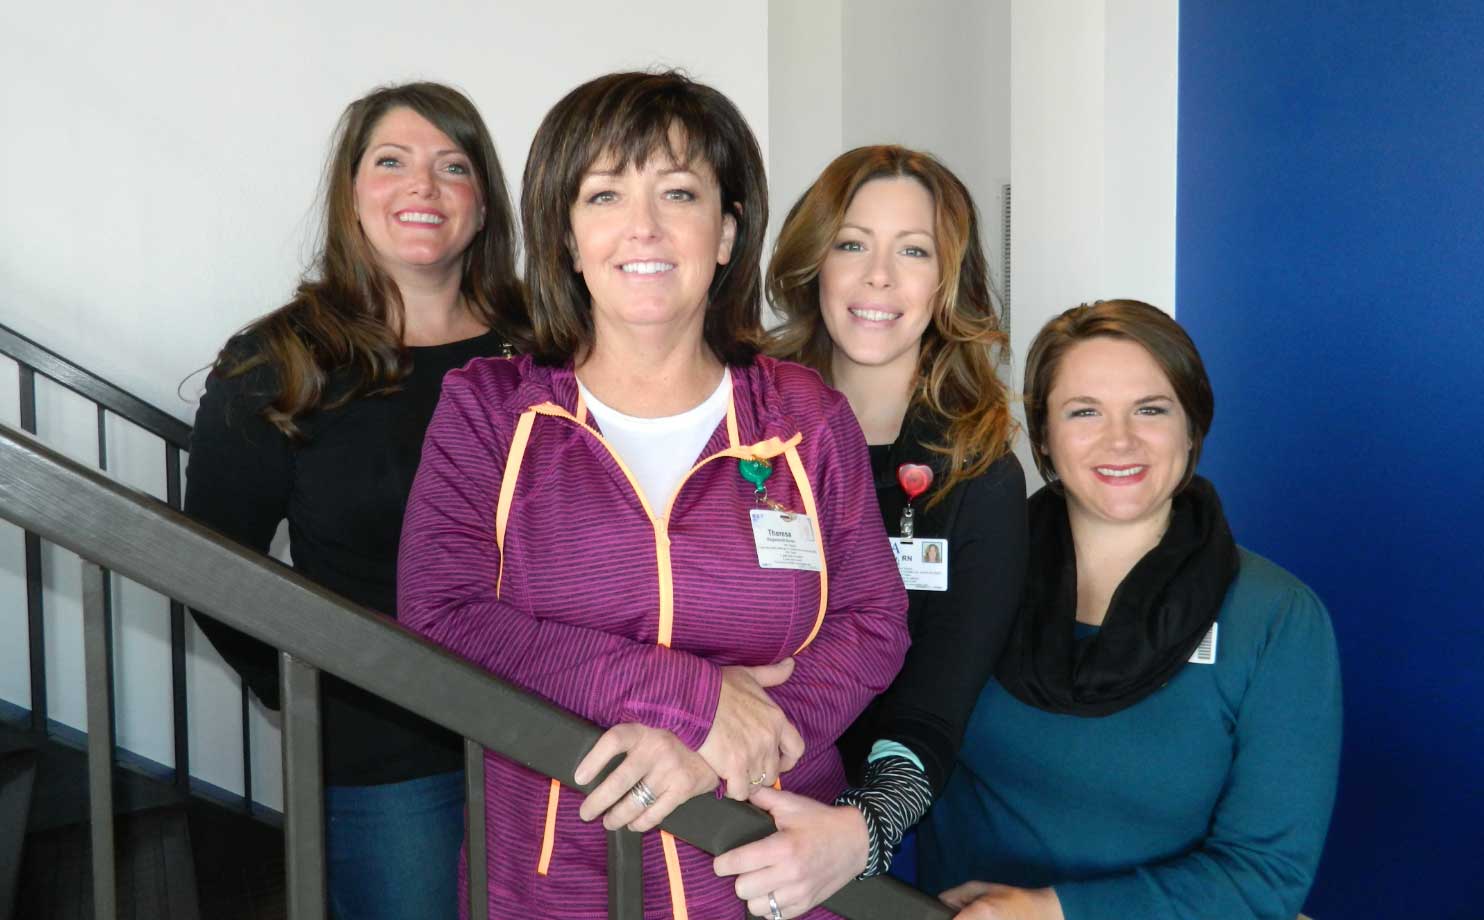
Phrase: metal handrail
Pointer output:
(140, 538)
(87, 384)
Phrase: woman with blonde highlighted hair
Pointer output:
(881, 280)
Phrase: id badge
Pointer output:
(784, 540)
(923, 563)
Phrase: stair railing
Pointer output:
(112, 527)
(32, 360)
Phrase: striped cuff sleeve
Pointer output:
(894, 796)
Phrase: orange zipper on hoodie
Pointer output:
(763, 450)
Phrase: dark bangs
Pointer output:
(639, 123)
(625, 119)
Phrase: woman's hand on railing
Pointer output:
(988, 901)
(817, 849)
(751, 740)
(671, 773)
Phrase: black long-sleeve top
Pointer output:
(957, 635)
(343, 490)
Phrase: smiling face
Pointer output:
(647, 241)
(1116, 434)
(416, 197)
(877, 282)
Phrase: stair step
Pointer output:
(239, 865)
(61, 794)
(17, 780)
(237, 861)
(156, 871)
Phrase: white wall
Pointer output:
(161, 165)
(806, 75)
(160, 168)
(1092, 159)
(932, 75)
(1140, 105)
(935, 76)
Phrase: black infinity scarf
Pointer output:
(1158, 615)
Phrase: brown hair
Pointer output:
(1130, 321)
(956, 381)
(630, 117)
(347, 312)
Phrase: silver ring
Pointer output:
(773, 911)
(643, 794)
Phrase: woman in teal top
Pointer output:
(1161, 738)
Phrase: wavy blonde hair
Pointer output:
(956, 383)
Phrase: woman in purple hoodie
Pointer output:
(643, 519)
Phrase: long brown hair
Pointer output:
(956, 381)
(630, 117)
(347, 313)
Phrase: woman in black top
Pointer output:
(881, 281)
(316, 414)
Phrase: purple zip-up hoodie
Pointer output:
(576, 615)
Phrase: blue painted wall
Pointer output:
(1330, 265)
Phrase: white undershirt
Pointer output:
(660, 451)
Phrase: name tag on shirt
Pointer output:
(923, 563)
(1205, 653)
(784, 540)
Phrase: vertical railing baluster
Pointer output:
(625, 875)
(246, 748)
(303, 789)
(99, 674)
(107, 576)
(35, 619)
(102, 438)
(474, 823)
(178, 686)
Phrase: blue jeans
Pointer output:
(392, 851)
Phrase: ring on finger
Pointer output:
(773, 912)
(643, 794)
(759, 779)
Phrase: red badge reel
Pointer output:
(914, 478)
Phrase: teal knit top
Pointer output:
(1209, 798)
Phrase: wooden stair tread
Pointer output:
(156, 870)
(17, 782)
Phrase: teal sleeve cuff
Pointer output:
(883, 748)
